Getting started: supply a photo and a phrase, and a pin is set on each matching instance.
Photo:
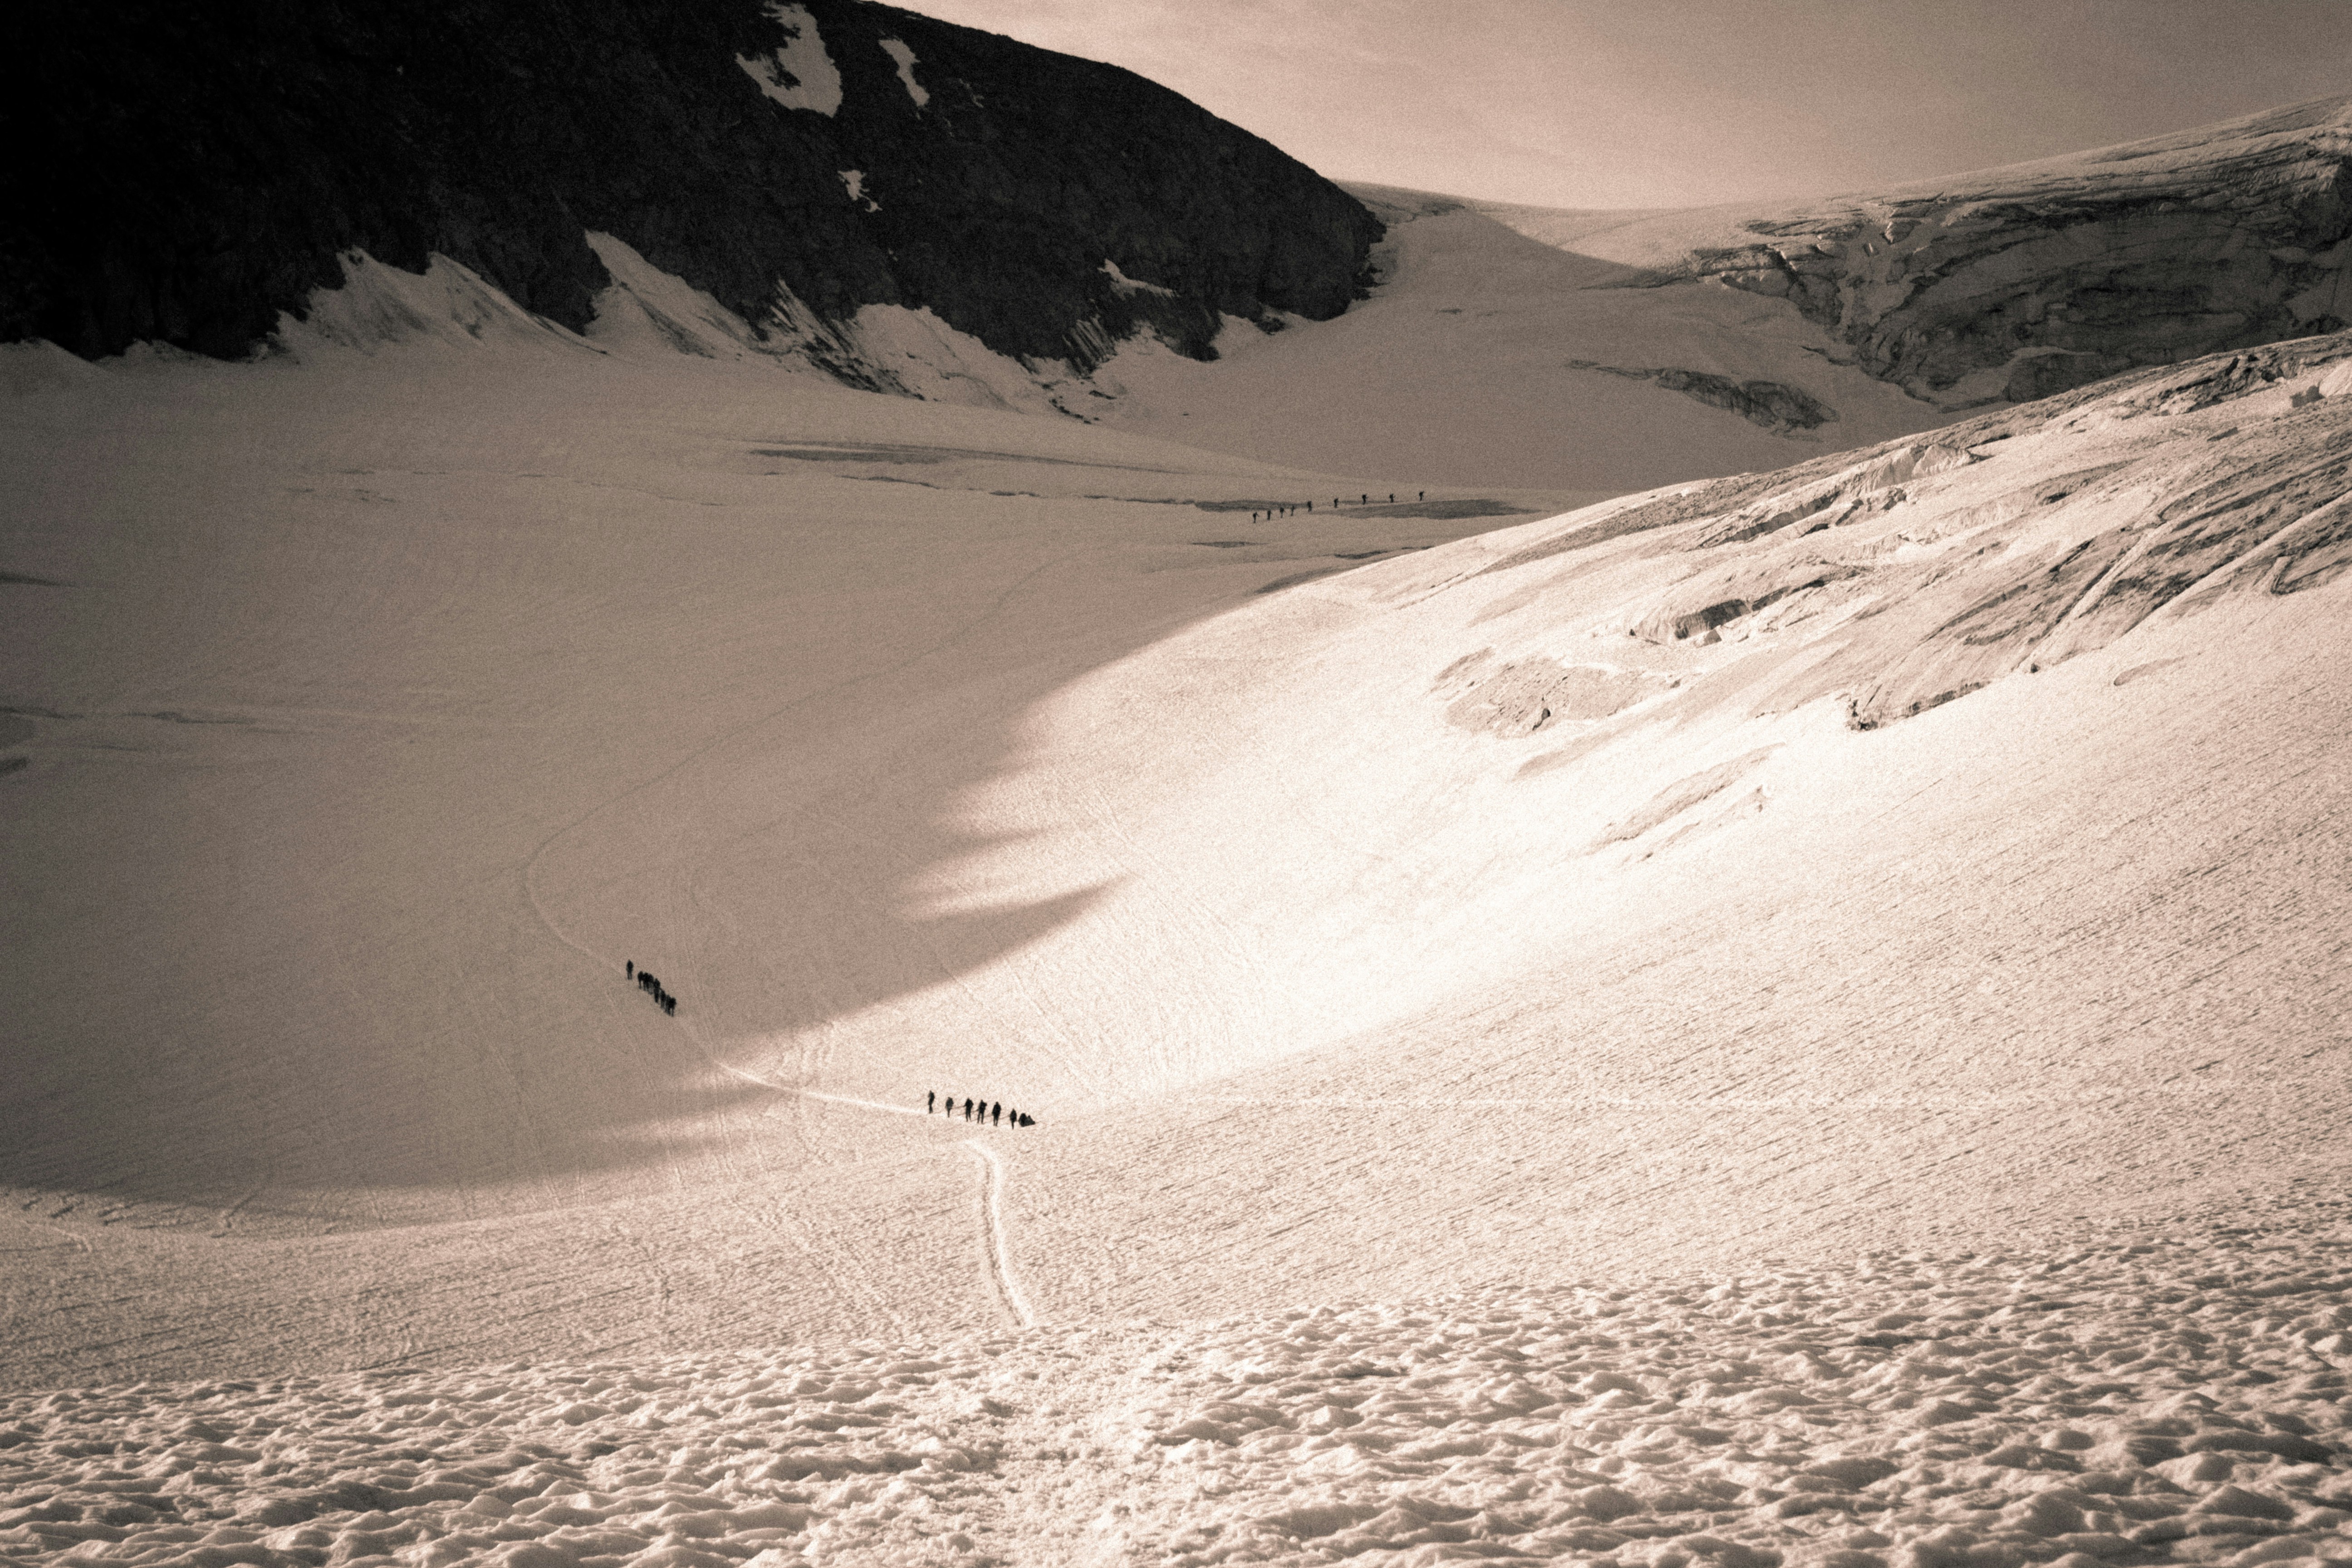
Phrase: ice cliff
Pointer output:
(2014, 283)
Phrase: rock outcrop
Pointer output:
(207, 170)
(1776, 406)
(2021, 282)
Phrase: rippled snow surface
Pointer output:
(2155, 1397)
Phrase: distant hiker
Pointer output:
(996, 1113)
(930, 1101)
(1310, 506)
(630, 969)
(967, 1108)
(1393, 498)
(1028, 1121)
(1364, 500)
(1421, 495)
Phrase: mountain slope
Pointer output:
(1707, 874)
(1652, 346)
(2014, 283)
(208, 171)
(1483, 356)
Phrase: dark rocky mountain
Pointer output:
(199, 169)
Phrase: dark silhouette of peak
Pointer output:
(198, 170)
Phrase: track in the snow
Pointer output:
(992, 1218)
(994, 1244)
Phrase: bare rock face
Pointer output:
(1776, 406)
(200, 170)
(2021, 282)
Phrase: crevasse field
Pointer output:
(1787, 1019)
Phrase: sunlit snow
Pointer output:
(1789, 1020)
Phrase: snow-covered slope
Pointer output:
(334, 684)
(1579, 350)
(1650, 346)
(1618, 893)
(1483, 355)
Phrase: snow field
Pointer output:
(1350, 940)
(2048, 953)
(370, 710)
(2173, 1395)
(1459, 369)
(1515, 934)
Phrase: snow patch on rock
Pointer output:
(1122, 285)
(905, 58)
(798, 74)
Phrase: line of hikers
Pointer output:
(978, 1110)
(646, 982)
(1365, 499)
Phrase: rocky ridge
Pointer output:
(793, 163)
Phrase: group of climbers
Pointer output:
(979, 1110)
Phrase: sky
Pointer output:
(1618, 103)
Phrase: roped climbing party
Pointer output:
(647, 984)
(979, 1110)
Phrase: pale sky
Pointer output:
(1618, 103)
